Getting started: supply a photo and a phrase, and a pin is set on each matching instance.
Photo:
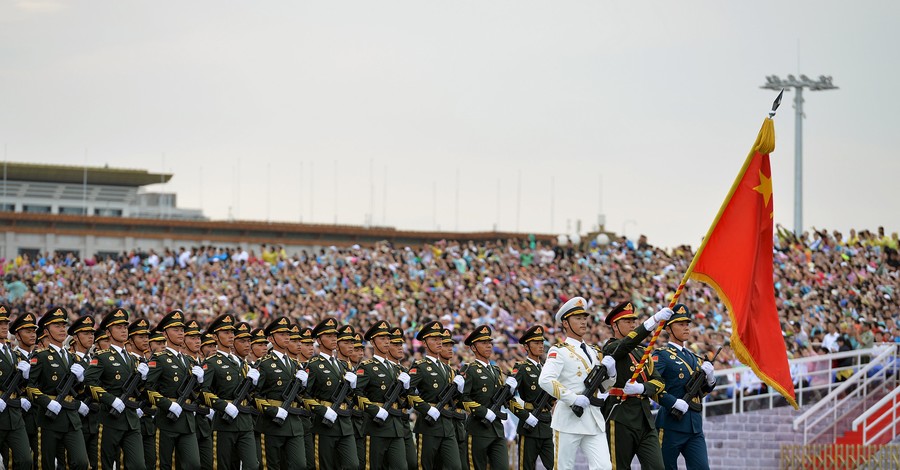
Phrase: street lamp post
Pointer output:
(773, 82)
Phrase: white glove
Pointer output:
(232, 410)
(680, 405)
(280, 414)
(54, 407)
(302, 376)
(175, 408)
(664, 314)
(404, 379)
(434, 413)
(143, 369)
(382, 414)
(25, 368)
(460, 382)
(511, 381)
(710, 372)
(140, 413)
(78, 370)
(83, 409)
(350, 377)
(2, 406)
(26, 405)
(253, 374)
(531, 420)
(198, 372)
(330, 415)
(490, 416)
(212, 413)
(118, 405)
(633, 388)
(582, 401)
(610, 363)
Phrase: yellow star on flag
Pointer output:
(764, 188)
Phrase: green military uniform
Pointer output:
(681, 435)
(629, 423)
(534, 441)
(106, 377)
(203, 420)
(62, 428)
(459, 415)
(12, 424)
(487, 442)
(90, 423)
(383, 427)
(405, 407)
(21, 322)
(169, 372)
(347, 333)
(256, 336)
(334, 439)
(280, 443)
(232, 429)
(304, 335)
(437, 444)
(148, 420)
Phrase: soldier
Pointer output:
(82, 333)
(346, 354)
(305, 351)
(459, 414)
(568, 365)
(383, 427)
(101, 340)
(191, 349)
(170, 372)
(675, 364)
(60, 426)
(12, 425)
(332, 424)
(281, 432)
(24, 327)
(110, 369)
(207, 345)
(487, 441)
(157, 342)
(241, 346)
(225, 373)
(629, 427)
(139, 340)
(429, 379)
(396, 356)
(535, 434)
(259, 345)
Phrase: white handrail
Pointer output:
(875, 407)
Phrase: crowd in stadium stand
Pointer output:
(834, 292)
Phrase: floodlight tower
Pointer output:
(773, 82)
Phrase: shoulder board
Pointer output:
(316, 358)
(39, 351)
(366, 362)
(102, 351)
(559, 345)
(421, 361)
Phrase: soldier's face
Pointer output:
(345, 348)
(4, 330)
(192, 343)
(446, 351)
(207, 350)
(85, 338)
(225, 338)
(156, 346)
(484, 349)
(242, 347)
(118, 333)
(680, 330)
(294, 347)
(536, 348)
(433, 344)
(27, 337)
(624, 326)
(397, 351)
(578, 324)
(175, 335)
(381, 343)
(358, 352)
(103, 344)
(141, 342)
(306, 350)
(259, 349)
(57, 332)
(328, 341)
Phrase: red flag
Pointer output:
(735, 258)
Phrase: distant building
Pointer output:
(95, 191)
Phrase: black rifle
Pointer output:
(130, 391)
(184, 392)
(12, 386)
(294, 389)
(592, 384)
(243, 390)
(542, 402)
(693, 389)
(393, 394)
(63, 390)
(449, 393)
(501, 396)
(336, 400)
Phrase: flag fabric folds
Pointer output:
(735, 258)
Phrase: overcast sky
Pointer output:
(330, 111)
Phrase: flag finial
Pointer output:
(776, 104)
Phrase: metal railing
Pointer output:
(891, 414)
(839, 456)
(815, 378)
(850, 396)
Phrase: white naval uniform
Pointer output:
(563, 377)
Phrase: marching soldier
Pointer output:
(332, 424)
(346, 354)
(535, 434)
(396, 355)
(170, 372)
(459, 415)
(259, 345)
(383, 427)
(676, 364)
(429, 378)
(563, 376)
(305, 351)
(60, 425)
(630, 425)
(82, 333)
(24, 327)
(281, 431)
(110, 369)
(139, 340)
(487, 441)
(13, 405)
(191, 349)
(225, 373)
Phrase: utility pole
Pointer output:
(773, 82)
